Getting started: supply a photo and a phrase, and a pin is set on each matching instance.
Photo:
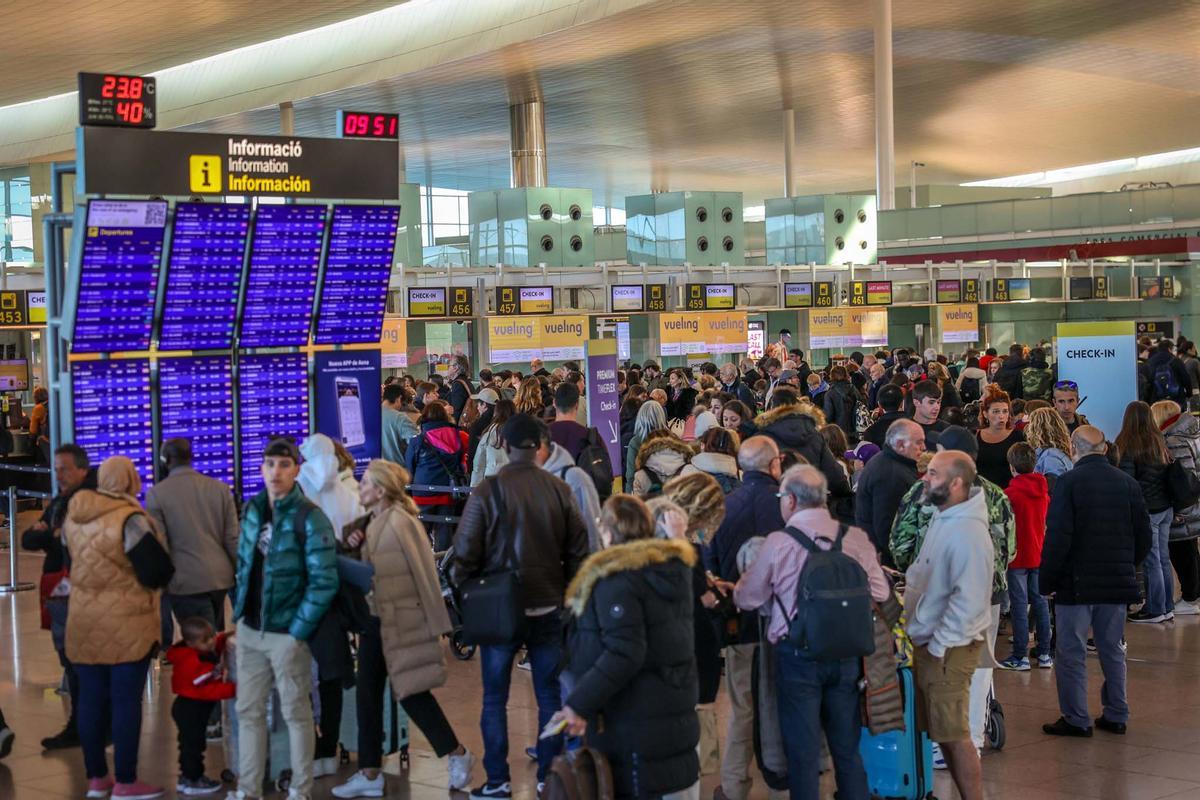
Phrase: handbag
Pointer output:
(1182, 486)
(492, 607)
(581, 774)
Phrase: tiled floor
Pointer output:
(1160, 758)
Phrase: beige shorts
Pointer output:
(944, 691)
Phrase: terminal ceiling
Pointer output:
(687, 91)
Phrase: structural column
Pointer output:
(789, 152)
(885, 142)
(287, 118)
(527, 134)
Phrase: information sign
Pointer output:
(1100, 287)
(118, 275)
(285, 254)
(1080, 288)
(272, 402)
(204, 271)
(948, 291)
(709, 296)
(628, 297)
(358, 266)
(195, 398)
(603, 399)
(870, 293)
(756, 339)
(656, 297)
(970, 290)
(1154, 287)
(14, 308)
(1006, 290)
(823, 294)
(797, 295)
(111, 402)
(1101, 358)
(524, 300)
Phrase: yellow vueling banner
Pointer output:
(563, 338)
(706, 332)
(847, 327)
(393, 343)
(960, 322)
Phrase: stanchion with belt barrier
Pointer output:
(14, 585)
(453, 491)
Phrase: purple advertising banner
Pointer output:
(604, 402)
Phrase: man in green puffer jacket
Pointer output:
(286, 581)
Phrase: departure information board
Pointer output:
(358, 265)
(196, 403)
(285, 253)
(112, 412)
(272, 402)
(204, 270)
(118, 275)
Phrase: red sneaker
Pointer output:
(136, 791)
(100, 787)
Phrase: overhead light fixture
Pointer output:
(1096, 170)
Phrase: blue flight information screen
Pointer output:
(272, 402)
(112, 412)
(358, 265)
(204, 271)
(285, 254)
(118, 275)
(195, 397)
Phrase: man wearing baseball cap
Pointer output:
(549, 542)
(908, 533)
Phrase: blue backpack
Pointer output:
(1165, 386)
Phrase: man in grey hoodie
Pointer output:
(949, 594)
(555, 459)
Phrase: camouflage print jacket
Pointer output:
(912, 522)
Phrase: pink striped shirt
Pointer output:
(776, 570)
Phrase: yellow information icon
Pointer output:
(204, 173)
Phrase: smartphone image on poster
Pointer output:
(350, 413)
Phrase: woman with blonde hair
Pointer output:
(1182, 432)
(402, 641)
(937, 372)
(1049, 437)
(529, 397)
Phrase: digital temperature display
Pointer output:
(368, 125)
(126, 101)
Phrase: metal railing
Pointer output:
(453, 491)
(14, 495)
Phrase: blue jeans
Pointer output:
(542, 638)
(116, 688)
(816, 695)
(1022, 593)
(1160, 582)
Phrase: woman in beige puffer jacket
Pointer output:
(403, 642)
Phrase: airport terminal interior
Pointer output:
(436, 398)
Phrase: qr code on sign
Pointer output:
(156, 215)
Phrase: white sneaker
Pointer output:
(360, 786)
(236, 794)
(1185, 609)
(460, 771)
(323, 767)
(294, 794)
(939, 761)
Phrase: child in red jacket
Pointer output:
(199, 684)
(1030, 497)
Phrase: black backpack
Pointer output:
(834, 618)
(970, 391)
(593, 459)
(657, 481)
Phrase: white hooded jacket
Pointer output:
(335, 492)
(949, 584)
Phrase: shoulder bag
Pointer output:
(492, 606)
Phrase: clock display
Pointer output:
(368, 125)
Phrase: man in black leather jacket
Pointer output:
(550, 542)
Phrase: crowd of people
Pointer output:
(969, 487)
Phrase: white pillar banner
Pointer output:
(1102, 358)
